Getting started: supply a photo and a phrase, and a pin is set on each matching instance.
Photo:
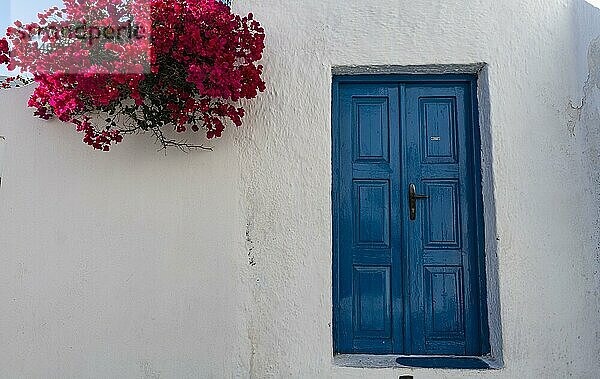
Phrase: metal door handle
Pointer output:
(412, 200)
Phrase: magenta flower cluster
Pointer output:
(118, 67)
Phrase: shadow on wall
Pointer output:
(2, 148)
(584, 122)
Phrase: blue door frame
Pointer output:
(407, 283)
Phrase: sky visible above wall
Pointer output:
(23, 10)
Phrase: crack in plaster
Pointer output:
(250, 245)
(592, 81)
(586, 117)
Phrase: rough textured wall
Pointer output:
(137, 264)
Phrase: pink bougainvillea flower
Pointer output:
(114, 67)
(4, 51)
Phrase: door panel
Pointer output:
(444, 320)
(369, 227)
(371, 211)
(441, 251)
(441, 220)
(372, 302)
(405, 286)
(371, 118)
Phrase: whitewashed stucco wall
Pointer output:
(136, 264)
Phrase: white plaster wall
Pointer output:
(136, 264)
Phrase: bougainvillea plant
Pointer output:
(118, 67)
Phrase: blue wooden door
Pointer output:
(407, 266)
(369, 218)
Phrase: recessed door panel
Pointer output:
(438, 129)
(371, 213)
(372, 302)
(444, 319)
(441, 218)
(371, 141)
